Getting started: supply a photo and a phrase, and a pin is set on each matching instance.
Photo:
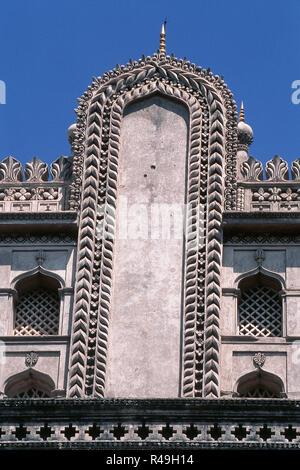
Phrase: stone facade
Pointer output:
(154, 278)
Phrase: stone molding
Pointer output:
(227, 423)
(252, 170)
(188, 76)
(259, 239)
(259, 215)
(231, 292)
(36, 171)
(66, 215)
(277, 169)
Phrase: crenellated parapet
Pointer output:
(278, 191)
(36, 187)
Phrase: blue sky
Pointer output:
(50, 50)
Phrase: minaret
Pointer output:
(245, 138)
(162, 43)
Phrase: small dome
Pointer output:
(245, 133)
(70, 133)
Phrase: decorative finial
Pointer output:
(242, 114)
(162, 44)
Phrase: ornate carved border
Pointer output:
(105, 108)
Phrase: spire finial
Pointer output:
(162, 43)
(242, 114)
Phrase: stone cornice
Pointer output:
(259, 223)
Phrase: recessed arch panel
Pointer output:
(146, 318)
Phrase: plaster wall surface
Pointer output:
(145, 330)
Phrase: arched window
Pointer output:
(260, 306)
(260, 384)
(29, 384)
(37, 306)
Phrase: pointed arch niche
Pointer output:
(146, 320)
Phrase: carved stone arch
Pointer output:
(259, 378)
(27, 379)
(96, 146)
(263, 271)
(38, 269)
(92, 113)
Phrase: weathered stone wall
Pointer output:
(146, 326)
(280, 260)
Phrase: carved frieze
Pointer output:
(280, 198)
(27, 193)
(31, 359)
(61, 169)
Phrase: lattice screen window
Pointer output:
(260, 312)
(37, 313)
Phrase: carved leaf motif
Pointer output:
(11, 170)
(252, 170)
(295, 169)
(61, 169)
(36, 170)
(260, 195)
(277, 169)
